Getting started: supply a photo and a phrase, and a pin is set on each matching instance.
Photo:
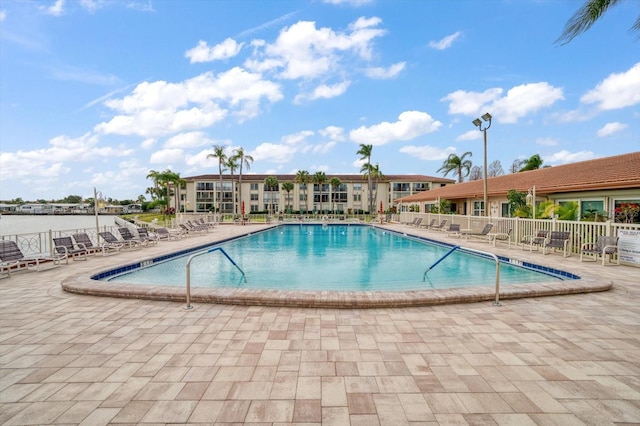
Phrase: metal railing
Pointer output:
(188, 270)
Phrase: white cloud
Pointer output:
(324, 91)
(546, 142)
(165, 156)
(297, 138)
(517, 103)
(274, 153)
(410, 125)
(323, 148)
(203, 53)
(52, 161)
(349, 2)
(446, 42)
(564, 157)
(611, 128)
(333, 132)
(616, 91)
(427, 153)
(91, 5)
(68, 73)
(3, 15)
(161, 108)
(469, 135)
(470, 103)
(379, 73)
(148, 143)
(55, 9)
(188, 140)
(303, 51)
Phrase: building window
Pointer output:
(254, 187)
(357, 187)
(478, 208)
(419, 187)
(254, 197)
(627, 211)
(505, 210)
(592, 209)
(357, 197)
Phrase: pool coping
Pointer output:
(84, 284)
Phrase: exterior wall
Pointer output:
(351, 196)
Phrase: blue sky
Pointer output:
(95, 93)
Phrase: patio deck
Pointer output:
(75, 359)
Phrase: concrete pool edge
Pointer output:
(83, 284)
(86, 285)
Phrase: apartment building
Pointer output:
(203, 193)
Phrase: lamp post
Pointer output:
(487, 118)
(98, 202)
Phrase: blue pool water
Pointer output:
(317, 257)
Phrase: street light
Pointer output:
(486, 117)
(98, 203)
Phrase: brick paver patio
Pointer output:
(69, 359)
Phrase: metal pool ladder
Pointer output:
(188, 270)
(486, 253)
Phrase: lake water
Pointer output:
(27, 224)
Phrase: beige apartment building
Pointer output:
(203, 193)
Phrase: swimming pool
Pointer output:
(333, 258)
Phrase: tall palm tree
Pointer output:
(365, 154)
(458, 165)
(218, 152)
(243, 160)
(303, 179)
(270, 183)
(320, 178)
(288, 187)
(232, 165)
(586, 16)
(177, 181)
(377, 175)
(335, 183)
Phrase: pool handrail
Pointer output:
(424, 276)
(188, 270)
(485, 253)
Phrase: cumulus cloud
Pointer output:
(426, 152)
(324, 91)
(446, 42)
(304, 51)
(167, 155)
(56, 9)
(188, 140)
(616, 91)
(611, 128)
(469, 135)
(3, 15)
(410, 125)
(203, 53)
(273, 152)
(546, 142)
(380, 73)
(52, 161)
(564, 157)
(333, 132)
(518, 102)
(160, 108)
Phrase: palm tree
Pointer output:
(303, 179)
(243, 160)
(270, 183)
(585, 17)
(458, 165)
(178, 182)
(320, 178)
(288, 186)
(161, 182)
(533, 163)
(376, 174)
(335, 183)
(365, 154)
(218, 152)
(232, 165)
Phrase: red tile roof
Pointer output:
(618, 172)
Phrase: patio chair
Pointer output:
(146, 236)
(12, 259)
(536, 241)
(67, 248)
(112, 241)
(453, 230)
(439, 227)
(169, 235)
(430, 224)
(557, 240)
(201, 221)
(494, 237)
(193, 227)
(479, 234)
(105, 249)
(126, 235)
(604, 245)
